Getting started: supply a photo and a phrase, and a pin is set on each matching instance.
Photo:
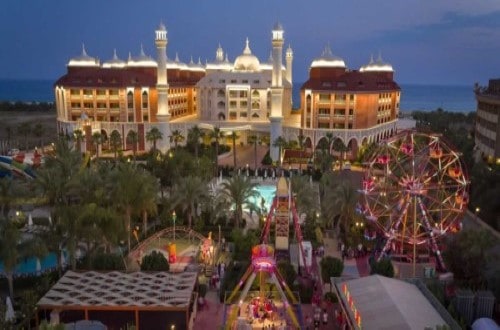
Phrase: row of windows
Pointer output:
(489, 107)
(486, 124)
(384, 107)
(243, 81)
(334, 126)
(384, 95)
(485, 140)
(383, 120)
(336, 97)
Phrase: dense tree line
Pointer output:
(27, 106)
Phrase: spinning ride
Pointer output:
(262, 308)
(415, 190)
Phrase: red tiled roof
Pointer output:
(113, 77)
(353, 81)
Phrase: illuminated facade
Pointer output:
(250, 96)
(355, 106)
(488, 120)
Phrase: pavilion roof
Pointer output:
(109, 290)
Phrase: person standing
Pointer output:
(325, 317)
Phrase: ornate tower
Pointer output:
(289, 60)
(163, 115)
(276, 116)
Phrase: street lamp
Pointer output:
(173, 219)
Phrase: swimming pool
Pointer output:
(28, 265)
(267, 192)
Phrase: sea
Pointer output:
(456, 98)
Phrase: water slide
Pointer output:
(19, 165)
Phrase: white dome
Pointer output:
(84, 59)
(328, 60)
(376, 66)
(142, 60)
(115, 62)
(247, 61)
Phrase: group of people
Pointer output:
(318, 318)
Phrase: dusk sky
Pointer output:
(427, 42)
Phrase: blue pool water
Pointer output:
(28, 266)
(266, 192)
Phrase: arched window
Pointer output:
(221, 105)
(255, 93)
(145, 100)
(130, 100)
(221, 93)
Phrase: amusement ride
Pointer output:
(415, 190)
(267, 308)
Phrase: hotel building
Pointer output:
(488, 120)
(249, 96)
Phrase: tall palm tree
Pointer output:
(304, 194)
(153, 135)
(13, 249)
(329, 140)
(176, 138)
(216, 134)
(129, 193)
(189, 192)
(233, 137)
(10, 190)
(38, 132)
(115, 140)
(133, 139)
(78, 137)
(340, 200)
(280, 143)
(239, 190)
(24, 129)
(339, 145)
(194, 136)
(97, 141)
(254, 139)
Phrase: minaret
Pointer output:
(163, 115)
(289, 60)
(276, 116)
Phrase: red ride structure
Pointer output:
(282, 208)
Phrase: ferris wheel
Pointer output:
(415, 190)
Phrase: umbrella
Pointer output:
(30, 220)
(38, 266)
(10, 315)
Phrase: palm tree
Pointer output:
(115, 139)
(304, 194)
(38, 132)
(176, 138)
(153, 135)
(239, 190)
(216, 134)
(340, 146)
(97, 141)
(340, 200)
(131, 191)
(12, 249)
(78, 137)
(24, 129)
(233, 137)
(194, 136)
(10, 190)
(133, 139)
(280, 143)
(254, 139)
(189, 192)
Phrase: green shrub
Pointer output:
(331, 267)
(107, 261)
(155, 261)
(287, 271)
(383, 267)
